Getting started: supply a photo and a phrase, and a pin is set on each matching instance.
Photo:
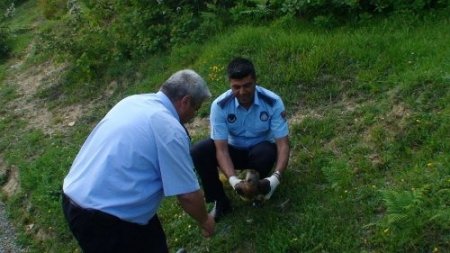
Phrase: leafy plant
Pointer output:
(4, 43)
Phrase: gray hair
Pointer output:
(186, 82)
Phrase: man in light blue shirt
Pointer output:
(136, 155)
(249, 130)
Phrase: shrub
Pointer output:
(100, 35)
(52, 9)
(4, 47)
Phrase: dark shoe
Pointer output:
(220, 209)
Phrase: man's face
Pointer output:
(188, 109)
(193, 110)
(244, 90)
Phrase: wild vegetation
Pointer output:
(366, 85)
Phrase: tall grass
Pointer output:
(369, 123)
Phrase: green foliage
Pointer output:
(338, 174)
(4, 47)
(7, 9)
(415, 214)
(104, 39)
(351, 9)
(52, 9)
(107, 38)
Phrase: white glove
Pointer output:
(233, 180)
(274, 182)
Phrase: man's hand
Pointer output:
(273, 182)
(234, 181)
(237, 184)
(208, 226)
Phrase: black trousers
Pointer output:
(97, 231)
(260, 157)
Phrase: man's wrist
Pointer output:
(278, 175)
(233, 180)
(202, 220)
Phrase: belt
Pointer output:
(71, 202)
(100, 215)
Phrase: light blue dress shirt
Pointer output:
(265, 120)
(136, 155)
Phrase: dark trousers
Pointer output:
(260, 157)
(97, 231)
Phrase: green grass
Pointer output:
(21, 26)
(369, 128)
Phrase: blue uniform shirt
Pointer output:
(265, 120)
(138, 153)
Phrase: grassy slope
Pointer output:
(369, 119)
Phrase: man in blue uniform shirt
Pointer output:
(249, 130)
(136, 155)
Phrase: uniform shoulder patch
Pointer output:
(225, 100)
(266, 98)
(283, 115)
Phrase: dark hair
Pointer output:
(240, 67)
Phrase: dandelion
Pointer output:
(215, 73)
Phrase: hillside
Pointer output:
(368, 105)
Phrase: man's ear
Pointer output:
(186, 100)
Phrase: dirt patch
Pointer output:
(12, 185)
(34, 110)
(9, 179)
(9, 183)
(3, 171)
(27, 81)
(300, 115)
(199, 126)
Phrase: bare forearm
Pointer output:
(194, 204)
(224, 159)
(282, 162)
(283, 151)
(225, 164)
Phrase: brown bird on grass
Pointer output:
(252, 188)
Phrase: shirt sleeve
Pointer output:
(174, 160)
(219, 128)
(279, 124)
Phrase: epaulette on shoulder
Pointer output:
(266, 98)
(225, 100)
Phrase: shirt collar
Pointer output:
(256, 101)
(168, 104)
